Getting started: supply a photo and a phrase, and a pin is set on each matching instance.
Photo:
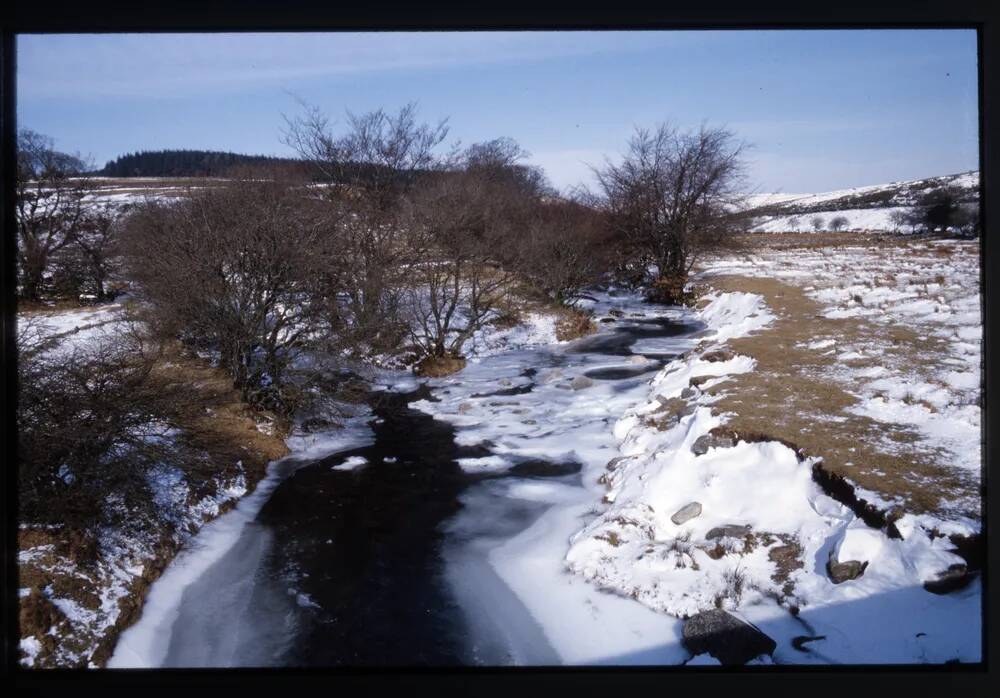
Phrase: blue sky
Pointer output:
(822, 109)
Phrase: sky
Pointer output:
(821, 110)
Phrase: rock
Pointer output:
(698, 381)
(314, 424)
(638, 359)
(725, 637)
(614, 312)
(841, 572)
(706, 441)
(464, 407)
(688, 392)
(686, 513)
(608, 319)
(505, 382)
(956, 577)
(581, 382)
(718, 355)
(727, 531)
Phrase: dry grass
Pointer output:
(572, 323)
(789, 396)
(438, 366)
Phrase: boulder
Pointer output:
(727, 638)
(464, 407)
(727, 531)
(706, 441)
(956, 577)
(686, 513)
(841, 572)
(688, 392)
(638, 359)
(581, 382)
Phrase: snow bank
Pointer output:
(759, 505)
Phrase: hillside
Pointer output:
(867, 209)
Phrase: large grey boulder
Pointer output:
(686, 513)
(725, 637)
(581, 382)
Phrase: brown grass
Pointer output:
(438, 366)
(789, 396)
(572, 323)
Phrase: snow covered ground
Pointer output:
(930, 288)
(758, 505)
(869, 209)
(604, 571)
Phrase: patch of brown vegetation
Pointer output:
(438, 366)
(573, 323)
(789, 397)
(220, 434)
(214, 420)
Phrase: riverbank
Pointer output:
(787, 471)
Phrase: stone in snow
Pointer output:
(841, 572)
(725, 637)
(706, 441)
(686, 513)
(727, 531)
(956, 577)
(581, 382)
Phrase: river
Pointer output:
(443, 545)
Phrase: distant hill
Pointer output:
(186, 163)
(865, 208)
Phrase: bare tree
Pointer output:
(368, 169)
(817, 223)
(838, 223)
(240, 270)
(458, 225)
(50, 194)
(566, 248)
(674, 196)
(88, 424)
(95, 246)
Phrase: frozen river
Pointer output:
(439, 538)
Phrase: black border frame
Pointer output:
(62, 16)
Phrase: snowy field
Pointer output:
(865, 209)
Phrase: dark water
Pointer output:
(347, 567)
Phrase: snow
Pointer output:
(352, 463)
(633, 548)
(897, 197)
(931, 289)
